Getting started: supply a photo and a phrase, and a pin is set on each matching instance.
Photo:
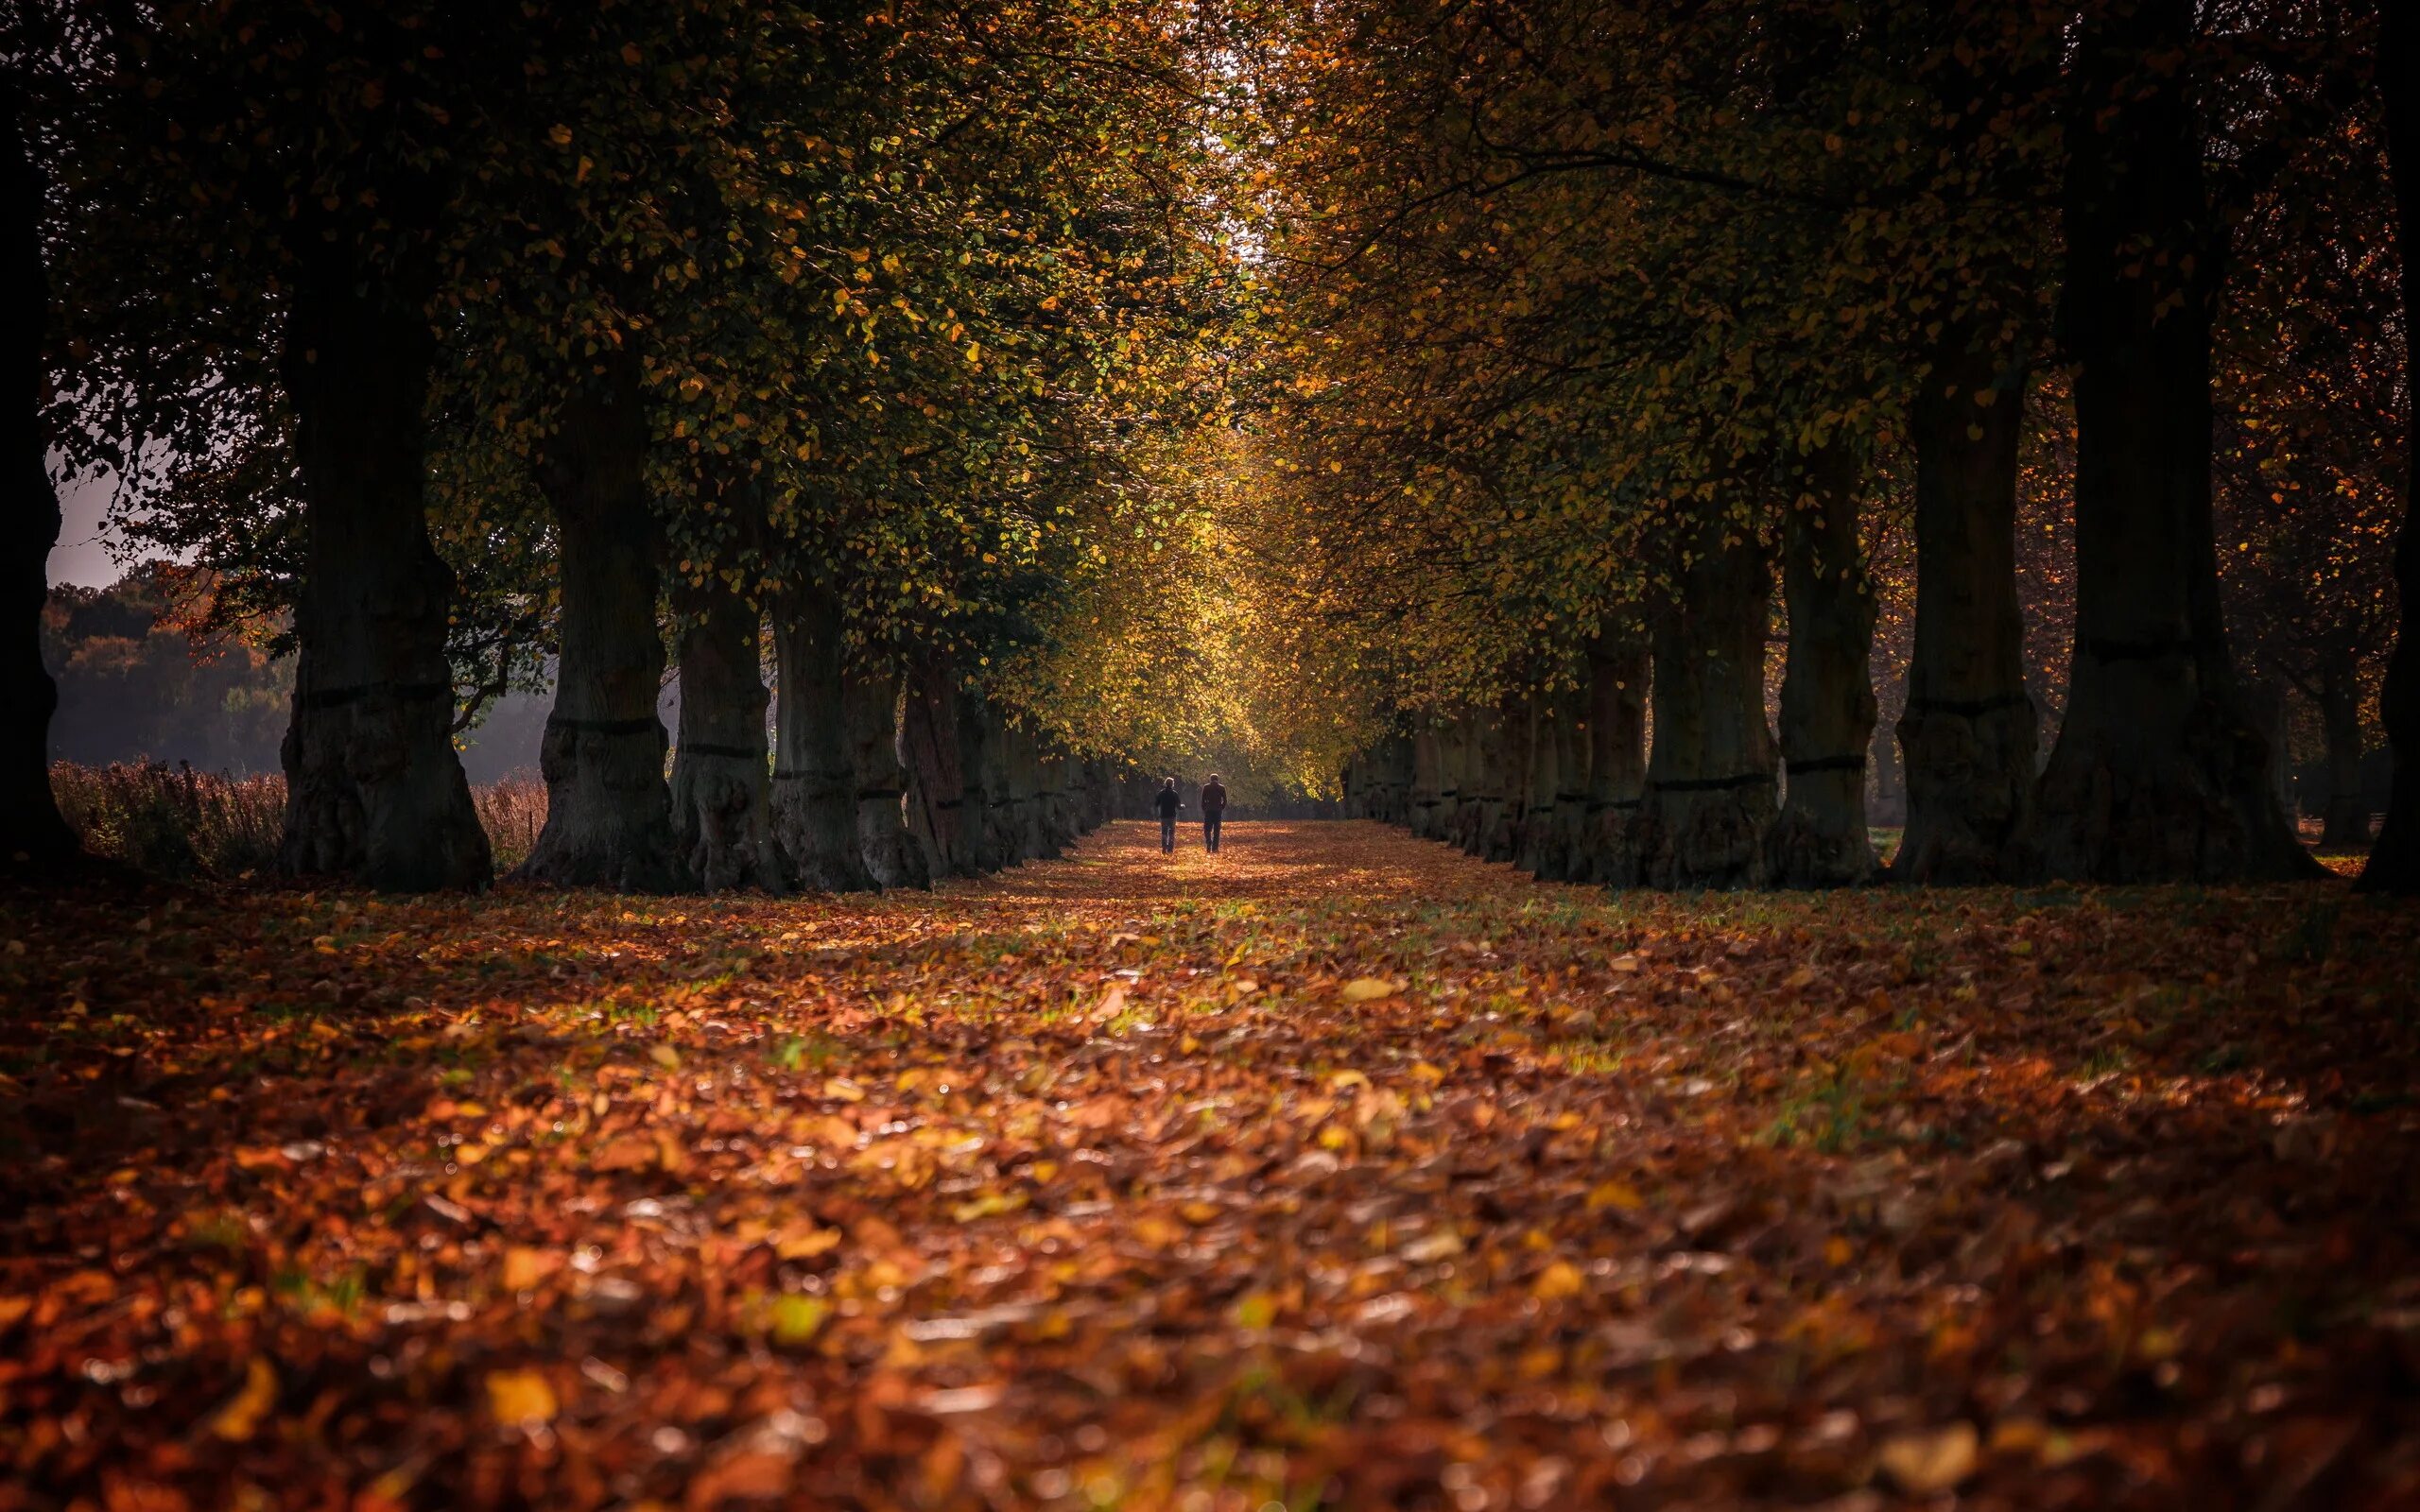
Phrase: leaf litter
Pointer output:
(1335, 1170)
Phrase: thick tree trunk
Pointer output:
(1456, 746)
(722, 788)
(375, 792)
(1821, 839)
(870, 716)
(979, 772)
(1428, 781)
(32, 834)
(1566, 852)
(609, 811)
(2346, 824)
(1542, 779)
(1482, 780)
(815, 785)
(1053, 774)
(929, 747)
(1968, 736)
(1709, 797)
(1021, 765)
(2395, 861)
(1616, 762)
(1509, 779)
(2158, 775)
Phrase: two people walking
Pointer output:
(1213, 812)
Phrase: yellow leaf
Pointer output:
(520, 1396)
(1931, 1460)
(807, 1244)
(1368, 989)
(664, 1056)
(1557, 1281)
(241, 1417)
(797, 1319)
(1620, 1194)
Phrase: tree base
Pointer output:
(723, 823)
(375, 794)
(1970, 779)
(609, 815)
(1687, 841)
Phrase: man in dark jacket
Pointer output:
(1214, 810)
(1167, 803)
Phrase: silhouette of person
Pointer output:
(1167, 803)
(1214, 811)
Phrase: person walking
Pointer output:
(1167, 803)
(1214, 811)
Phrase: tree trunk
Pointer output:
(815, 785)
(1057, 807)
(979, 765)
(1566, 856)
(929, 745)
(375, 792)
(1541, 779)
(2158, 775)
(870, 716)
(1508, 778)
(32, 834)
(2347, 825)
(1454, 746)
(1428, 781)
(1616, 762)
(723, 790)
(1968, 737)
(1709, 795)
(609, 811)
(2395, 861)
(1821, 839)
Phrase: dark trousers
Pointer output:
(1168, 831)
(1210, 828)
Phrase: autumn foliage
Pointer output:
(1335, 1170)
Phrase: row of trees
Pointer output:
(1606, 316)
(472, 339)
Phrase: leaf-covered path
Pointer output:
(1336, 1169)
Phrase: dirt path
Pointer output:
(1334, 1169)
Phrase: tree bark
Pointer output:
(1708, 802)
(1482, 780)
(2395, 861)
(1821, 839)
(2346, 822)
(1542, 778)
(2158, 774)
(32, 834)
(1567, 851)
(978, 765)
(869, 712)
(375, 792)
(1509, 779)
(936, 791)
(722, 789)
(609, 811)
(1427, 782)
(1970, 737)
(1616, 762)
(815, 803)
